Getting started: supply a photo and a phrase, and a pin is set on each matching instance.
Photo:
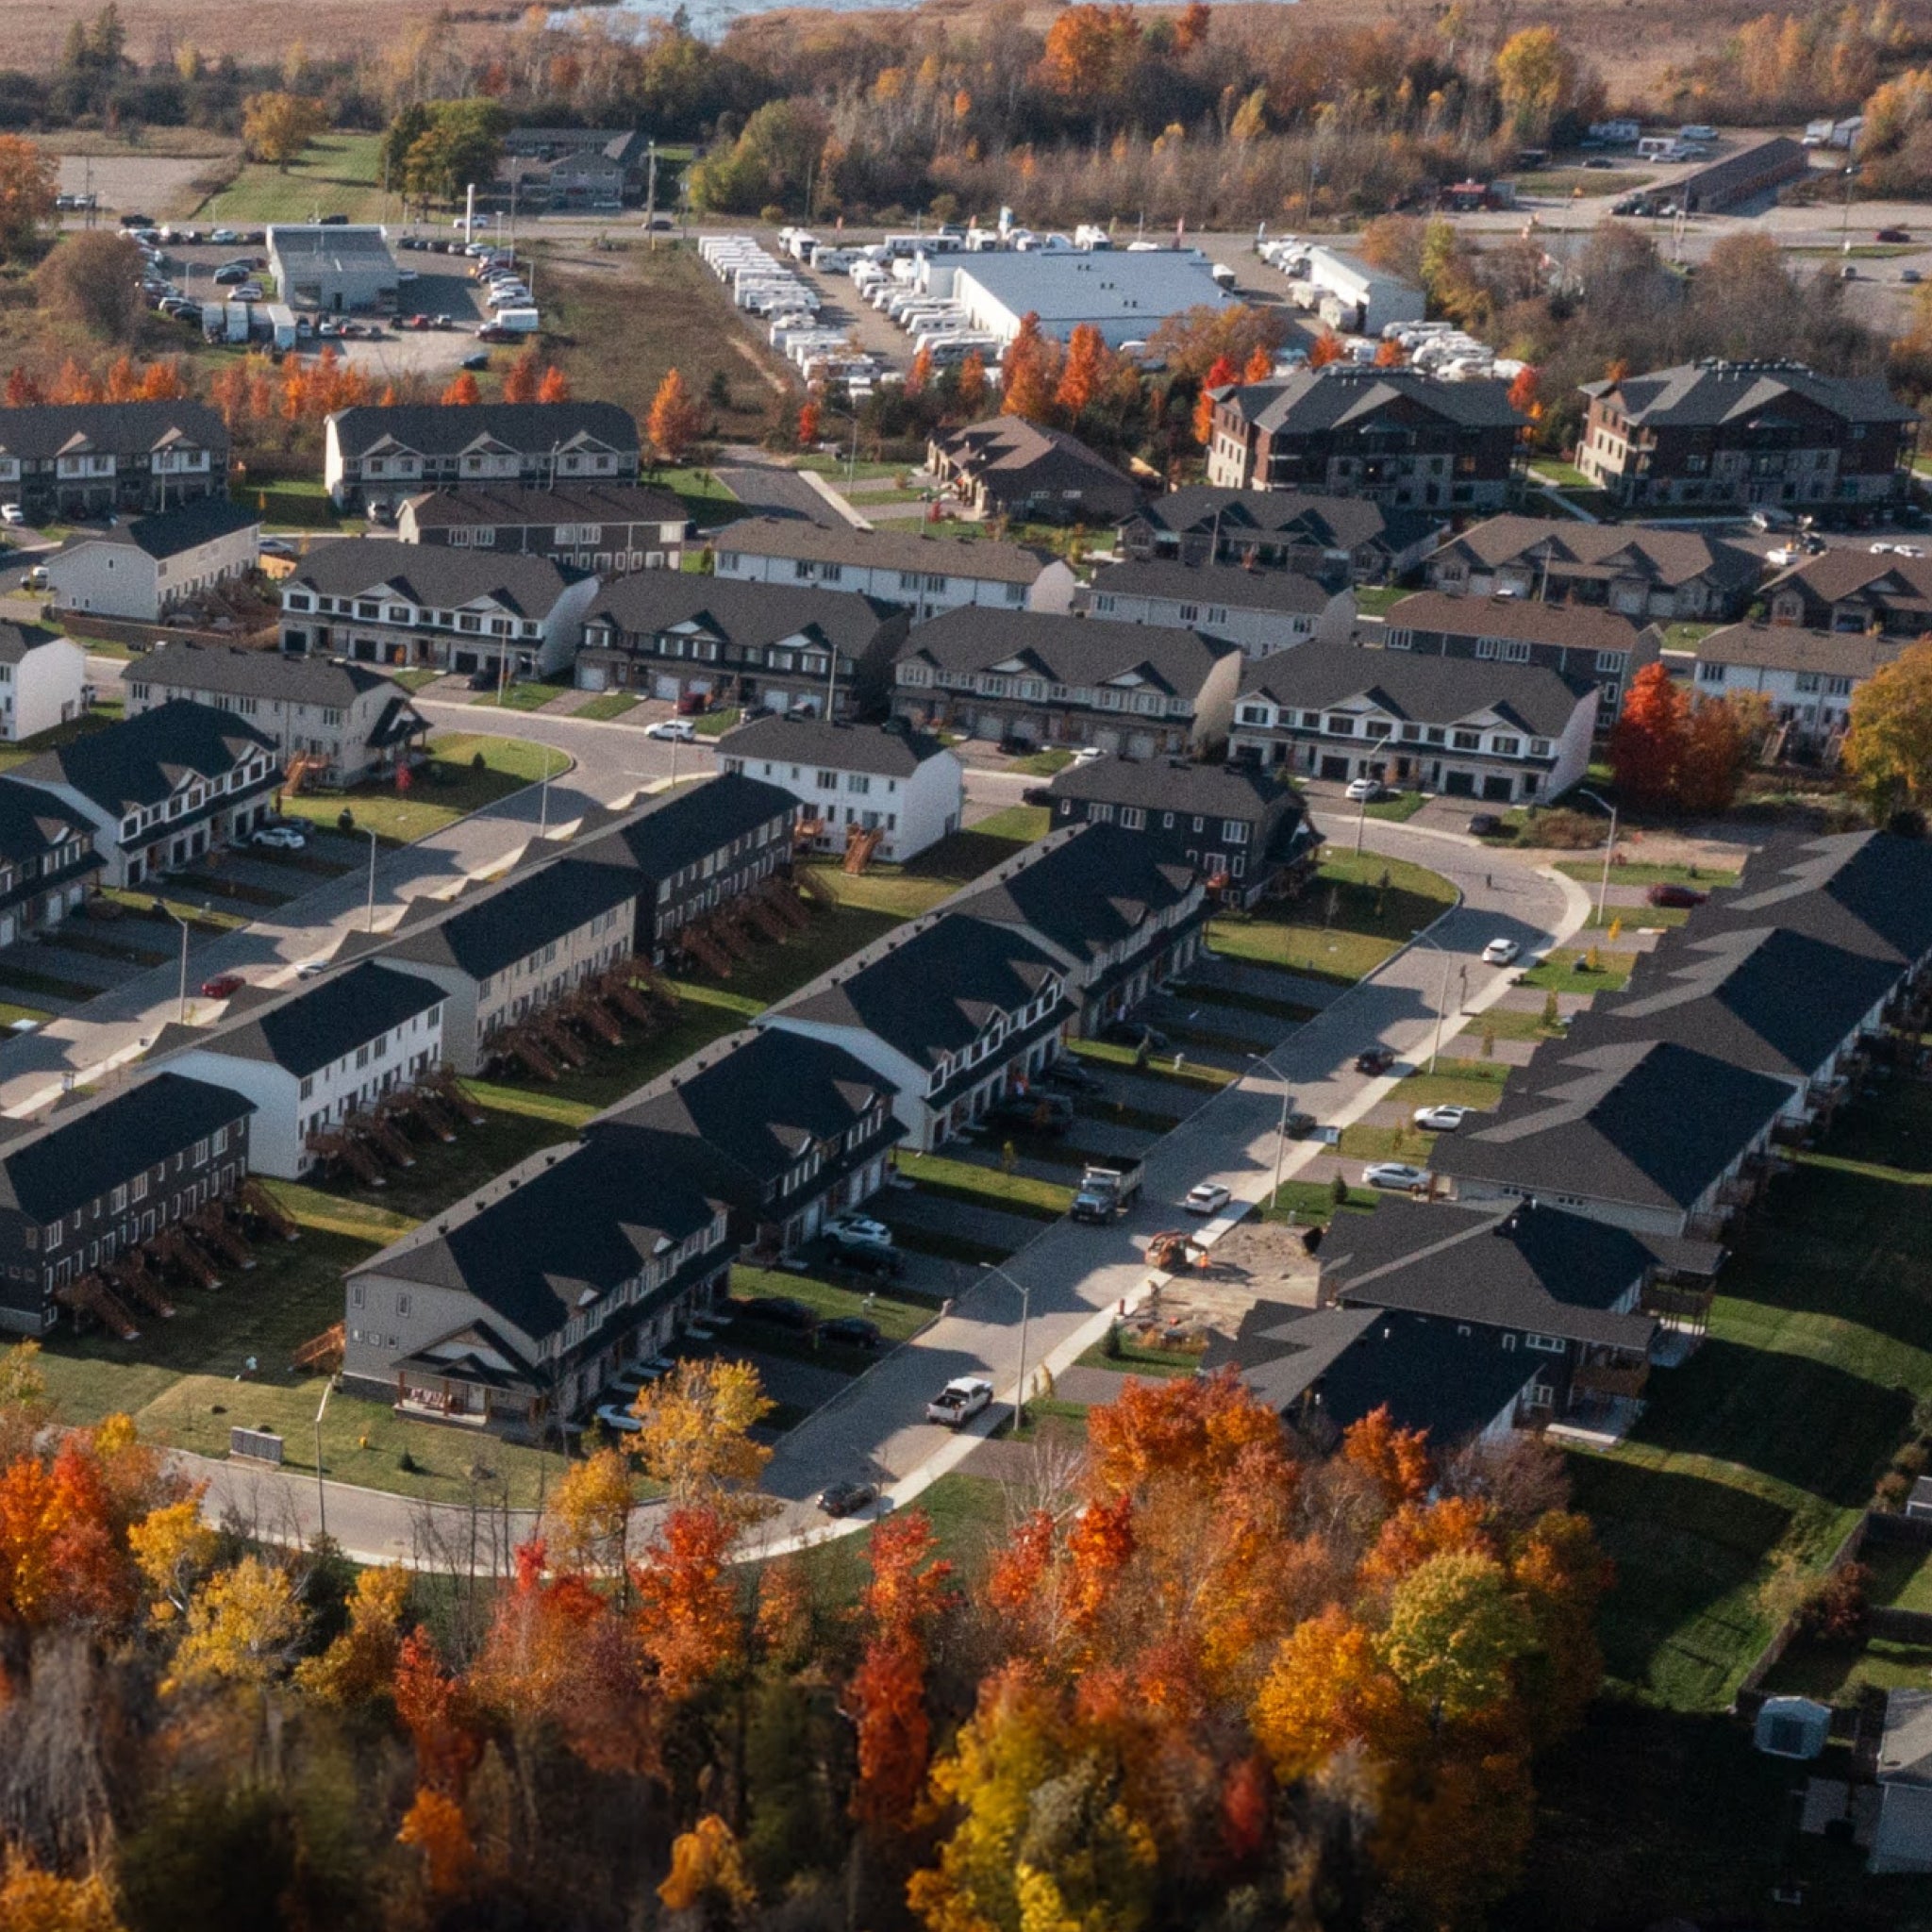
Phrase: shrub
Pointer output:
(1338, 1191)
(1834, 1608)
(1566, 830)
(479, 763)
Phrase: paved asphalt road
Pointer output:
(768, 488)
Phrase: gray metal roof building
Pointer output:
(339, 268)
(1125, 296)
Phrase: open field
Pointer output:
(35, 35)
(162, 175)
(1346, 923)
(339, 174)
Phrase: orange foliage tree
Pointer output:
(521, 379)
(464, 392)
(689, 1623)
(674, 421)
(1031, 371)
(1220, 375)
(1083, 372)
(555, 388)
(1324, 349)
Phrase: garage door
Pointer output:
(1460, 784)
(593, 678)
(662, 687)
(463, 662)
(1140, 745)
(1335, 768)
(1497, 785)
(1108, 741)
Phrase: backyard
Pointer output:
(1358, 909)
(453, 785)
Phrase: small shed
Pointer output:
(1903, 1840)
(1791, 1727)
(1918, 1503)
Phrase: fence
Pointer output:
(141, 637)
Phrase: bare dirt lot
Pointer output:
(157, 185)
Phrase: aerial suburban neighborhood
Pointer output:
(965, 969)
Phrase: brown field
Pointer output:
(35, 34)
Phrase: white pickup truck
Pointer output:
(959, 1401)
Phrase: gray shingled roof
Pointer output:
(40, 430)
(168, 533)
(313, 1026)
(1336, 522)
(666, 832)
(1790, 647)
(1574, 626)
(1221, 791)
(1707, 394)
(1068, 650)
(789, 739)
(1866, 891)
(236, 672)
(1663, 558)
(653, 601)
(565, 502)
(1342, 395)
(487, 929)
(1844, 572)
(1418, 687)
(902, 550)
(141, 760)
(437, 429)
(1283, 591)
(436, 576)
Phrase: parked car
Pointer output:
(847, 1499)
(959, 1401)
(1375, 1059)
(276, 546)
(851, 1331)
(281, 838)
(1675, 895)
(222, 986)
(1208, 1197)
(1395, 1174)
(780, 1309)
(1440, 1120)
(1363, 791)
(232, 276)
(1894, 235)
(860, 1228)
(13, 513)
(679, 731)
(485, 679)
(1071, 1076)
(1500, 952)
(612, 1417)
(479, 360)
(1484, 825)
(1039, 1113)
(1132, 1033)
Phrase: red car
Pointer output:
(222, 986)
(1676, 895)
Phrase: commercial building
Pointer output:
(42, 681)
(344, 722)
(1808, 677)
(667, 634)
(927, 574)
(1351, 295)
(1125, 296)
(1025, 677)
(378, 602)
(1391, 435)
(82, 459)
(851, 781)
(606, 527)
(1761, 169)
(1008, 467)
(1471, 728)
(1668, 576)
(147, 567)
(161, 789)
(340, 268)
(372, 452)
(1261, 610)
(1738, 435)
(1338, 540)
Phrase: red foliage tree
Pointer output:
(1324, 349)
(1397, 1461)
(463, 392)
(520, 379)
(1220, 375)
(1031, 372)
(555, 388)
(1648, 743)
(1523, 391)
(688, 1620)
(808, 422)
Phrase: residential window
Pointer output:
(1516, 651)
(1708, 672)
(1488, 647)
(1133, 818)
(1506, 747)
(1466, 740)
(1539, 747)
(1399, 639)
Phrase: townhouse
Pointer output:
(505, 951)
(1847, 589)
(1260, 610)
(80, 1189)
(926, 574)
(1239, 827)
(47, 860)
(954, 1013)
(606, 527)
(1662, 575)
(82, 459)
(1808, 677)
(892, 789)
(311, 1060)
(1607, 649)
(376, 454)
(1031, 679)
(1393, 435)
(1335, 539)
(342, 722)
(1119, 919)
(159, 790)
(419, 606)
(42, 681)
(692, 852)
(1738, 435)
(788, 1131)
(708, 640)
(150, 566)
(513, 1308)
(1005, 466)
(1467, 727)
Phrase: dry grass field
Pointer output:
(35, 33)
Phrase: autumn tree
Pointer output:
(1538, 80)
(808, 422)
(1395, 1461)
(676, 419)
(93, 280)
(1326, 1688)
(1888, 745)
(22, 389)
(1191, 343)
(555, 388)
(278, 127)
(1259, 366)
(1455, 1631)
(521, 379)
(29, 177)
(1324, 349)
(361, 1664)
(696, 1432)
(1716, 749)
(688, 1620)
(1523, 391)
(1219, 375)
(971, 390)
(708, 1878)
(462, 391)
(587, 1520)
(1648, 740)
(1390, 354)
(242, 1627)
(1030, 369)
(1082, 372)
(1090, 52)
(920, 374)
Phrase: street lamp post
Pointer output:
(320, 1493)
(1603, 891)
(181, 1012)
(1442, 1005)
(1281, 1129)
(370, 921)
(1026, 1317)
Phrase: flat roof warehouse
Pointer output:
(1126, 295)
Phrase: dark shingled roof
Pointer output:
(438, 576)
(1578, 626)
(1342, 395)
(1533, 1268)
(489, 928)
(1643, 1122)
(84, 1151)
(1336, 522)
(1664, 557)
(1225, 792)
(651, 601)
(1866, 891)
(1790, 647)
(41, 430)
(168, 533)
(237, 672)
(435, 430)
(909, 550)
(788, 739)
(141, 760)
(315, 1026)
(672, 829)
(34, 822)
(1842, 572)
(1009, 451)
(1068, 650)
(1711, 393)
(566, 502)
(1285, 591)
(1420, 687)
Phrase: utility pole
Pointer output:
(651, 196)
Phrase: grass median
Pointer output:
(1359, 908)
(986, 1187)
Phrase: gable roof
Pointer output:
(650, 602)
(170, 533)
(1342, 395)
(313, 1026)
(1573, 627)
(1605, 551)
(34, 822)
(50, 1170)
(16, 641)
(141, 760)
(672, 829)
(40, 430)
(1867, 892)
(1420, 687)
(235, 671)
(1526, 1267)
(1222, 792)
(1714, 393)
(1791, 647)
(981, 558)
(437, 429)
(1285, 592)
(1841, 571)
(1002, 448)
(786, 738)
(1068, 650)
(1643, 1122)
(567, 501)
(491, 925)
(438, 576)
(1336, 522)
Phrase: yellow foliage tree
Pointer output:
(1888, 746)
(171, 1547)
(435, 1827)
(696, 1435)
(587, 1521)
(361, 1664)
(242, 1626)
(35, 1901)
(277, 126)
(707, 1868)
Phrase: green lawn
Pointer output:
(965, 1180)
(97, 719)
(1362, 1141)
(1631, 917)
(1376, 600)
(532, 694)
(1771, 1438)
(1563, 971)
(1900, 1576)
(1190, 1074)
(1507, 1022)
(450, 788)
(339, 174)
(1837, 1672)
(716, 723)
(1130, 1357)
(613, 704)
(904, 891)
(1633, 872)
(1560, 474)
(1312, 1204)
(1455, 1083)
(1020, 824)
(1295, 1011)
(899, 1316)
(969, 1516)
(1400, 808)
(1043, 764)
(1344, 925)
(47, 986)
